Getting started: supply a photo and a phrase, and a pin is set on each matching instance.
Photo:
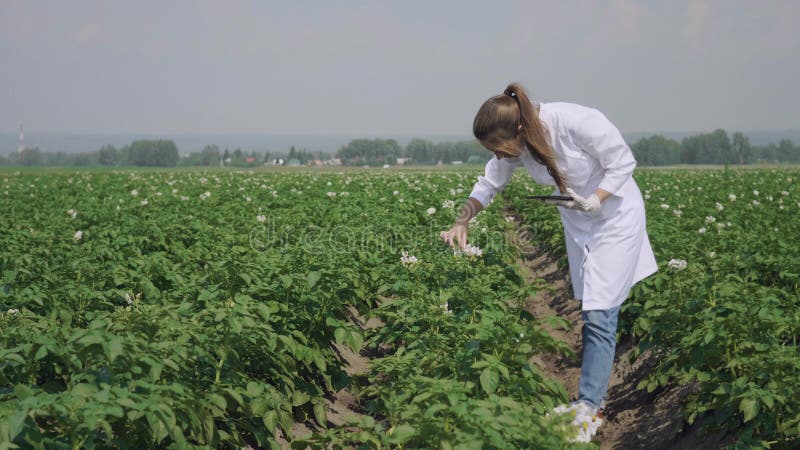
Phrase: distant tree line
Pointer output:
(146, 153)
(705, 148)
(712, 148)
(375, 152)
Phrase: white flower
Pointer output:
(756, 202)
(145, 202)
(203, 180)
(396, 192)
(448, 204)
(647, 196)
(134, 192)
(344, 193)
(719, 206)
(205, 195)
(329, 183)
(78, 235)
(407, 260)
(677, 212)
(184, 198)
(712, 254)
(702, 230)
(174, 191)
(510, 218)
(13, 311)
(331, 194)
(784, 193)
(755, 193)
(72, 213)
(248, 199)
(664, 206)
(677, 264)
(710, 219)
(261, 218)
(431, 211)
(470, 250)
(732, 197)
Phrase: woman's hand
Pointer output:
(589, 205)
(457, 234)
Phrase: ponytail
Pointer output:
(534, 134)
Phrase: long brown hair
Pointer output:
(507, 120)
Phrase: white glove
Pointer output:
(589, 205)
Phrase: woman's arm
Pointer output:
(495, 177)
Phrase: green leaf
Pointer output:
(320, 415)
(218, 401)
(401, 433)
(490, 378)
(114, 348)
(749, 406)
(312, 278)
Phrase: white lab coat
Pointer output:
(608, 252)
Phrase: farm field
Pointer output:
(228, 309)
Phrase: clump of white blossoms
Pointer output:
(448, 204)
(664, 206)
(710, 219)
(431, 211)
(719, 206)
(134, 192)
(756, 202)
(702, 230)
(78, 235)
(13, 311)
(732, 197)
(145, 202)
(470, 251)
(261, 218)
(677, 212)
(677, 264)
(755, 193)
(72, 213)
(205, 195)
(784, 193)
(408, 260)
(331, 194)
(510, 218)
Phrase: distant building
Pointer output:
(455, 163)
(401, 161)
(333, 162)
(21, 146)
(250, 160)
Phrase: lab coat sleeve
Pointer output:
(497, 174)
(598, 137)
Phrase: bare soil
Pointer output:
(342, 404)
(633, 418)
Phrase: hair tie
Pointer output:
(509, 93)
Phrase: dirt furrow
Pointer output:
(633, 418)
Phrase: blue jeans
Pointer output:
(599, 343)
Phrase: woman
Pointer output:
(578, 150)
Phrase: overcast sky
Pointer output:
(400, 67)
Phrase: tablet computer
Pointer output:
(550, 197)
